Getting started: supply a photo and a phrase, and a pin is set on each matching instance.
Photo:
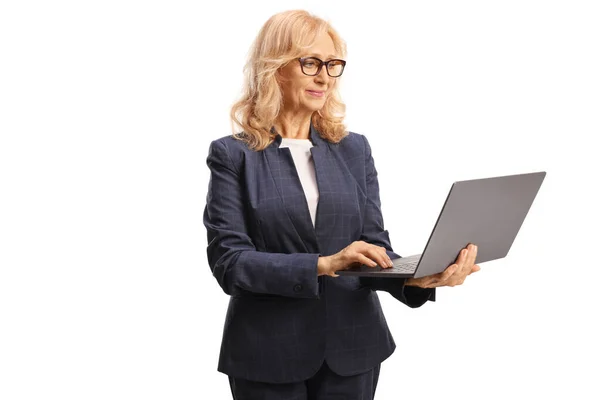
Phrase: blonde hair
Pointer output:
(282, 39)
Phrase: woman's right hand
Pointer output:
(356, 253)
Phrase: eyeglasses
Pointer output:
(311, 66)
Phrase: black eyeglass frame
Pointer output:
(302, 60)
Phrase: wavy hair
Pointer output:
(282, 39)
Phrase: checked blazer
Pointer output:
(283, 320)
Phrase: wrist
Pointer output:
(410, 282)
(323, 265)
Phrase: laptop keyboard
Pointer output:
(404, 268)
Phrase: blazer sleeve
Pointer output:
(232, 256)
(373, 232)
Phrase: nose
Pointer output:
(322, 77)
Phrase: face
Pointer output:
(303, 93)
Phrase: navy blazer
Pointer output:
(283, 320)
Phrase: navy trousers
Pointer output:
(324, 385)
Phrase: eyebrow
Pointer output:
(329, 57)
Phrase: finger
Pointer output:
(460, 277)
(437, 280)
(455, 280)
(379, 256)
(365, 260)
(462, 258)
(449, 272)
(465, 259)
(373, 252)
(475, 269)
(386, 257)
(472, 255)
(467, 266)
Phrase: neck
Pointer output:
(293, 125)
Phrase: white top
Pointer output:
(300, 149)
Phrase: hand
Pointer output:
(356, 253)
(454, 275)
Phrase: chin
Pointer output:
(315, 109)
(315, 105)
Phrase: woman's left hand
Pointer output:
(454, 275)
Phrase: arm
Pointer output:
(232, 257)
(373, 232)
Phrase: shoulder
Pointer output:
(219, 153)
(353, 145)
(228, 142)
(353, 139)
(232, 152)
(230, 146)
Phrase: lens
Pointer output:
(310, 66)
(335, 68)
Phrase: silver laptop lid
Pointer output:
(486, 212)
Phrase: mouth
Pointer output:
(316, 93)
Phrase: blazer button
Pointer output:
(297, 288)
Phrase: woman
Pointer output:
(292, 199)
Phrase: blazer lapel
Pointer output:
(290, 191)
(322, 161)
(338, 213)
(337, 207)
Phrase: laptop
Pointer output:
(486, 212)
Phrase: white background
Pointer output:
(106, 113)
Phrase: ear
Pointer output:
(279, 75)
